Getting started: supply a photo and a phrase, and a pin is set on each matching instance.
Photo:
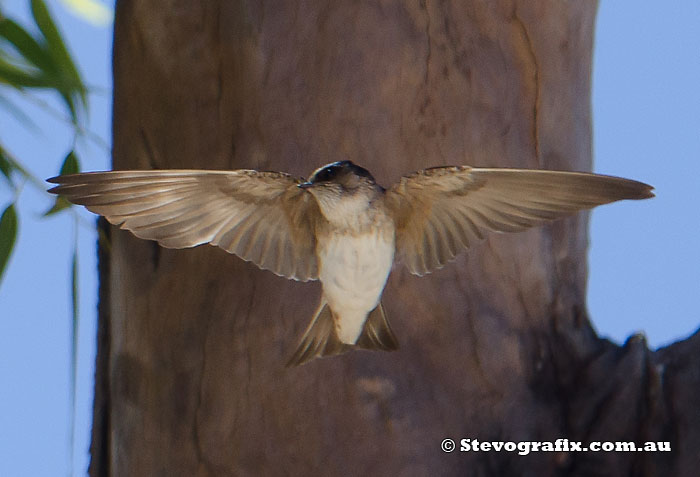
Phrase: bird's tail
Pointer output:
(377, 333)
(320, 338)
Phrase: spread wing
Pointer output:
(262, 217)
(443, 210)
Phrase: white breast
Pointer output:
(353, 272)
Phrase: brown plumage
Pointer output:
(440, 211)
(342, 216)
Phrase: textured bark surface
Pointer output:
(496, 346)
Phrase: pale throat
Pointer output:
(354, 213)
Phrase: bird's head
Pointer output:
(336, 175)
(341, 185)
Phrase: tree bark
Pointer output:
(497, 346)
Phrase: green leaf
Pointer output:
(8, 235)
(16, 166)
(74, 298)
(74, 340)
(26, 45)
(71, 165)
(6, 166)
(19, 78)
(72, 84)
(58, 205)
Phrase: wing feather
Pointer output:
(262, 217)
(443, 210)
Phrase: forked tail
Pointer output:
(320, 338)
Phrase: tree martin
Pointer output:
(340, 226)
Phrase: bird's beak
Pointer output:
(305, 185)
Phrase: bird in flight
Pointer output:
(340, 226)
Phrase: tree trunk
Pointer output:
(497, 346)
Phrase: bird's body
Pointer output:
(340, 226)
(354, 267)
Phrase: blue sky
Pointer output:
(644, 263)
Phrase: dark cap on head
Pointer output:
(336, 170)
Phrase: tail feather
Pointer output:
(377, 333)
(321, 339)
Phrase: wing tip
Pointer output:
(635, 190)
(647, 192)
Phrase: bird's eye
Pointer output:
(325, 175)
